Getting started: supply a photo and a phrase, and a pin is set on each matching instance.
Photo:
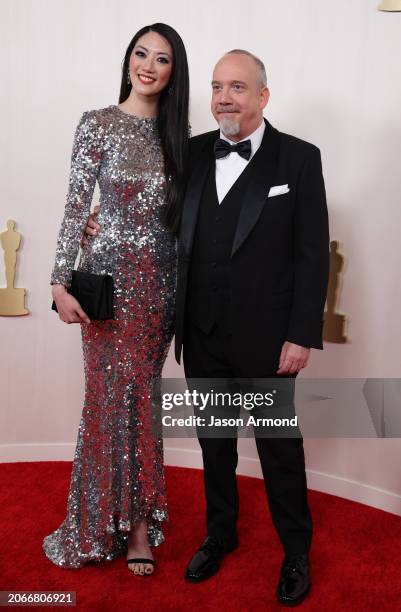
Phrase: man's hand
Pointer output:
(293, 358)
(92, 228)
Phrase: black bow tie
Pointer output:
(222, 148)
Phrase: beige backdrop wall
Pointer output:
(333, 69)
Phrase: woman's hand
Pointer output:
(68, 307)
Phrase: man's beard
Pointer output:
(229, 127)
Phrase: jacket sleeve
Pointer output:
(311, 255)
(85, 162)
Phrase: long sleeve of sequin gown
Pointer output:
(117, 476)
(85, 162)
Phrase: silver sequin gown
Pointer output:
(117, 477)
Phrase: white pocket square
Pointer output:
(278, 190)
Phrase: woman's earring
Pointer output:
(170, 90)
(128, 78)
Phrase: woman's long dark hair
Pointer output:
(172, 118)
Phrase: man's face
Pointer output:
(238, 96)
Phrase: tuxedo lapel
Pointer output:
(262, 177)
(194, 191)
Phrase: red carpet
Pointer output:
(355, 556)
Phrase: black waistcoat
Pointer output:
(209, 275)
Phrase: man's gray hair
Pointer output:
(258, 62)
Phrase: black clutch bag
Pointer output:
(94, 293)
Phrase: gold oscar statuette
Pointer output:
(12, 300)
(334, 323)
(390, 5)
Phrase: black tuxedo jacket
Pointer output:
(279, 261)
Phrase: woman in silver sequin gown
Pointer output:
(117, 497)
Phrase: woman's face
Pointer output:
(151, 64)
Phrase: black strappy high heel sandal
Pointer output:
(141, 560)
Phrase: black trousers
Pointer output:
(282, 460)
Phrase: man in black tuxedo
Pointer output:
(252, 280)
(253, 261)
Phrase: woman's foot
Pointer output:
(138, 547)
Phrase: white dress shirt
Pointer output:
(229, 168)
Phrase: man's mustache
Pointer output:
(226, 109)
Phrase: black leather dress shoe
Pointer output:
(206, 561)
(294, 581)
